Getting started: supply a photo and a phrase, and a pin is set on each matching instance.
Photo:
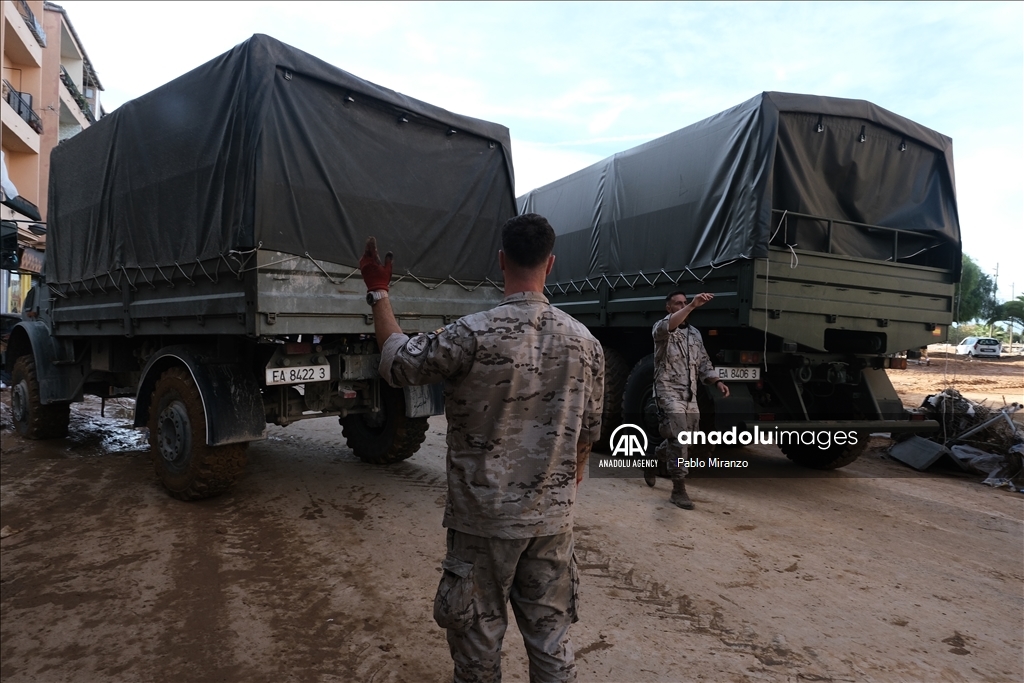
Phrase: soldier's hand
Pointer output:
(376, 275)
(723, 387)
(702, 299)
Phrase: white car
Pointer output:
(979, 347)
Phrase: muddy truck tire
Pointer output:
(188, 468)
(831, 458)
(638, 404)
(32, 419)
(387, 436)
(616, 372)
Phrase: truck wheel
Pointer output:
(388, 436)
(830, 459)
(616, 372)
(32, 419)
(188, 467)
(638, 404)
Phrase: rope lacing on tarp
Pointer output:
(630, 281)
(237, 262)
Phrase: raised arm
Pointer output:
(377, 276)
(680, 316)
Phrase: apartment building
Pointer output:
(50, 93)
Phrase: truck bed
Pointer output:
(809, 298)
(276, 294)
(818, 300)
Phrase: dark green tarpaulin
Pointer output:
(705, 194)
(269, 146)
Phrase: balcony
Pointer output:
(76, 94)
(21, 102)
(30, 20)
(20, 45)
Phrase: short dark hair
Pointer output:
(676, 293)
(527, 240)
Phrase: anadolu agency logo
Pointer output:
(628, 457)
(626, 441)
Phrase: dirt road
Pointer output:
(317, 567)
(995, 381)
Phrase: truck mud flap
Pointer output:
(60, 377)
(232, 402)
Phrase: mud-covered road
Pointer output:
(317, 567)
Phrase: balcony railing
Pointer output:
(83, 103)
(22, 105)
(33, 25)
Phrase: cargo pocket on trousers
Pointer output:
(574, 578)
(454, 606)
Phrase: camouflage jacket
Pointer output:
(680, 362)
(524, 383)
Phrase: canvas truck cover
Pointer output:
(267, 146)
(705, 195)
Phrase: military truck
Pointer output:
(203, 243)
(827, 230)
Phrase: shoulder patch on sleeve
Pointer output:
(418, 344)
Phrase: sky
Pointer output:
(578, 82)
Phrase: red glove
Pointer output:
(376, 275)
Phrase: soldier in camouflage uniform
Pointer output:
(523, 392)
(680, 361)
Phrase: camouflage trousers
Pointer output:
(670, 451)
(480, 576)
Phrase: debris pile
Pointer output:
(975, 436)
(965, 421)
(1002, 471)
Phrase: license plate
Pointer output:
(740, 374)
(298, 374)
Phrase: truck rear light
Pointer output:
(766, 417)
(759, 385)
(750, 357)
(298, 347)
(896, 363)
(916, 417)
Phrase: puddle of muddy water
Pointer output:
(91, 433)
(108, 433)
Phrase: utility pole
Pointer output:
(995, 296)
(1013, 297)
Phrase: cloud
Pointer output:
(990, 197)
(538, 164)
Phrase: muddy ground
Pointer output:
(317, 567)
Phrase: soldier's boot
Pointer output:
(679, 497)
(651, 476)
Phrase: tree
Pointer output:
(975, 295)
(1009, 311)
(960, 332)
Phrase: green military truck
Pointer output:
(202, 250)
(827, 230)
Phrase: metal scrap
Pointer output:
(973, 423)
(977, 437)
